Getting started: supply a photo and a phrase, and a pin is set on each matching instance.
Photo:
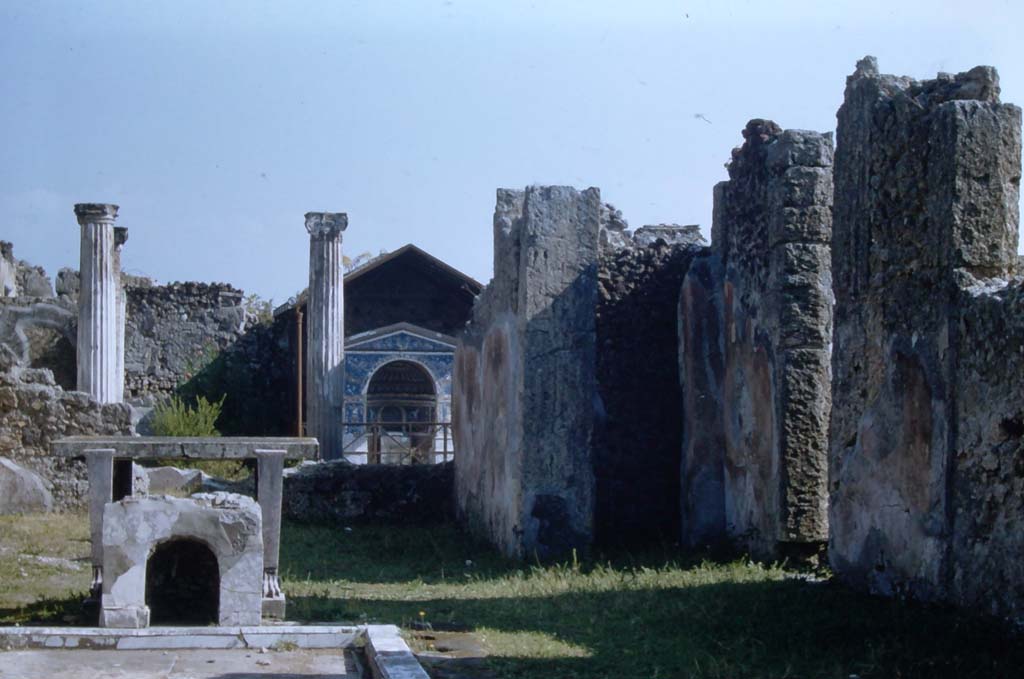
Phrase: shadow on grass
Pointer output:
(787, 628)
(47, 612)
(429, 553)
(721, 626)
(383, 553)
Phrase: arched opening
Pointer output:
(402, 405)
(183, 584)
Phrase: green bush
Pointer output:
(176, 418)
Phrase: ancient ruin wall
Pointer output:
(524, 382)
(172, 330)
(986, 570)
(924, 461)
(638, 432)
(34, 411)
(755, 336)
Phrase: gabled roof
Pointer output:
(471, 284)
(376, 262)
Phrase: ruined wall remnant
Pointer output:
(18, 278)
(987, 493)
(174, 330)
(8, 270)
(34, 411)
(638, 431)
(525, 378)
(755, 334)
(926, 481)
(341, 491)
(200, 339)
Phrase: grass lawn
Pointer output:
(642, 616)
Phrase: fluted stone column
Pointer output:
(120, 237)
(98, 324)
(325, 316)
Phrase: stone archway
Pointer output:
(401, 402)
(183, 584)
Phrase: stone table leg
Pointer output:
(269, 489)
(100, 463)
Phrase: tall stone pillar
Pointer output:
(98, 324)
(325, 316)
(120, 237)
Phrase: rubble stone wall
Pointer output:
(340, 491)
(525, 378)
(172, 330)
(925, 448)
(638, 433)
(34, 411)
(755, 335)
(986, 571)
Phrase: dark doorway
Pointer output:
(183, 584)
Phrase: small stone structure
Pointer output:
(229, 525)
(110, 463)
(402, 310)
(755, 335)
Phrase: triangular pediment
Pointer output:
(404, 337)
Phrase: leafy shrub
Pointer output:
(176, 418)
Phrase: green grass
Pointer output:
(632, 616)
(44, 568)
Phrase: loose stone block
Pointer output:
(22, 491)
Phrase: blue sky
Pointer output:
(217, 125)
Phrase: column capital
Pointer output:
(326, 224)
(120, 235)
(90, 213)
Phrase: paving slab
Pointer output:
(179, 664)
(167, 638)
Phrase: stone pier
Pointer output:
(326, 332)
(755, 323)
(98, 318)
(525, 380)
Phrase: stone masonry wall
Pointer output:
(986, 571)
(755, 336)
(925, 454)
(339, 491)
(638, 433)
(525, 382)
(172, 330)
(34, 411)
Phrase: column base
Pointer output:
(129, 617)
(274, 607)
